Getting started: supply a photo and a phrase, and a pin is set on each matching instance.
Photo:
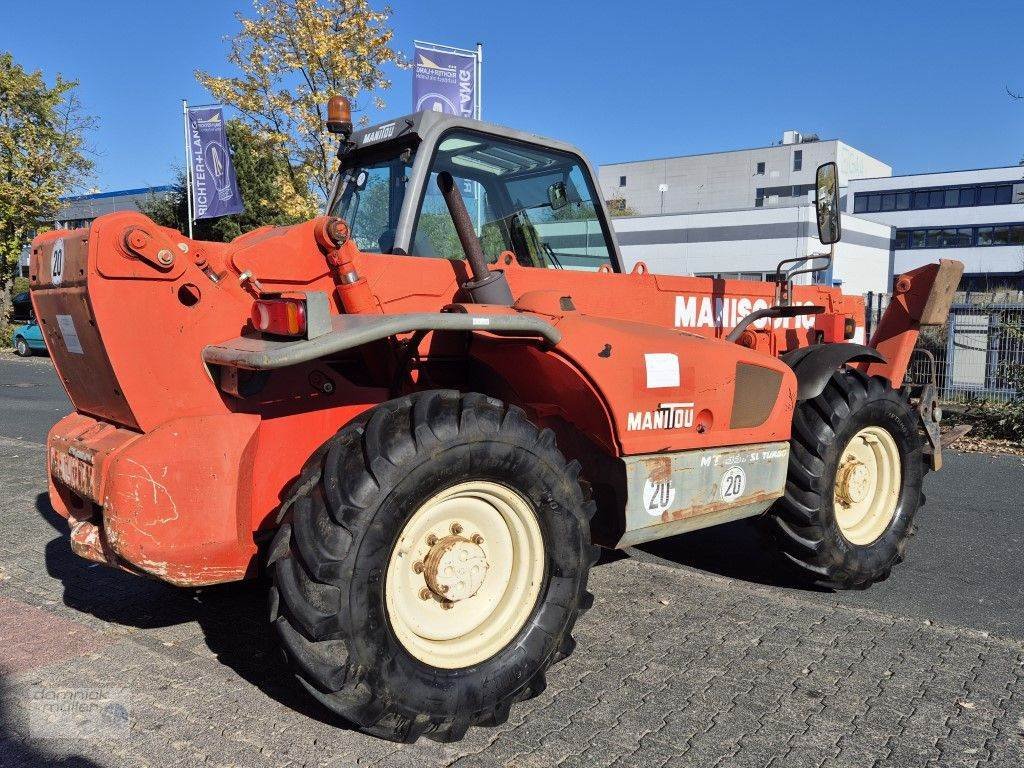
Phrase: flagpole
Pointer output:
(479, 81)
(188, 167)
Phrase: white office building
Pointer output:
(975, 216)
(778, 175)
(737, 214)
(748, 244)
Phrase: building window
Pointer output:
(798, 160)
(961, 237)
(622, 181)
(760, 169)
(932, 198)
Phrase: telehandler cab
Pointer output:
(424, 411)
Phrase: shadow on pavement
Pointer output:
(232, 617)
(740, 550)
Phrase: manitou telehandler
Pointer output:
(424, 411)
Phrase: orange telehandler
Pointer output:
(424, 411)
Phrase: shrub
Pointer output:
(999, 421)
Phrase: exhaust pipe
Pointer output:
(487, 286)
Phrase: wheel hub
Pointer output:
(465, 574)
(853, 482)
(867, 485)
(455, 568)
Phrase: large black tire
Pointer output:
(329, 563)
(804, 521)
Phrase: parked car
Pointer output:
(21, 307)
(28, 338)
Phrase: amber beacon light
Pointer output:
(339, 116)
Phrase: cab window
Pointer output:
(370, 199)
(536, 202)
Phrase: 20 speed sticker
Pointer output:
(734, 483)
(658, 496)
(57, 262)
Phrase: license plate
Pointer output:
(74, 472)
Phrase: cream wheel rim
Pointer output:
(867, 486)
(465, 574)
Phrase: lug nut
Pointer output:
(431, 540)
(447, 604)
(424, 594)
(476, 538)
(456, 529)
(417, 567)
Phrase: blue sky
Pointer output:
(920, 84)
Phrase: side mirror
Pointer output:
(558, 196)
(826, 204)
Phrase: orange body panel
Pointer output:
(182, 477)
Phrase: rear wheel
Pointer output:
(434, 565)
(22, 348)
(856, 467)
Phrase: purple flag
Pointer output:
(214, 185)
(444, 82)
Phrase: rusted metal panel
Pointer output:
(940, 299)
(672, 493)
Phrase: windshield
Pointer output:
(372, 193)
(534, 201)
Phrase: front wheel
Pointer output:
(434, 565)
(856, 466)
(22, 348)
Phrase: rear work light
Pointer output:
(280, 316)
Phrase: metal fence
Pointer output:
(977, 354)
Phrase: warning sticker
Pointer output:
(662, 370)
(69, 334)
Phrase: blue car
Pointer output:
(28, 338)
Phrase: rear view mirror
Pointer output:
(826, 203)
(557, 196)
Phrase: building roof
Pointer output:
(1018, 168)
(796, 145)
(116, 193)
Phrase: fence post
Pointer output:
(947, 384)
(869, 317)
(992, 354)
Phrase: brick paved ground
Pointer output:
(674, 667)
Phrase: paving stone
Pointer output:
(726, 674)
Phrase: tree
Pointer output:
(264, 181)
(293, 56)
(42, 154)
